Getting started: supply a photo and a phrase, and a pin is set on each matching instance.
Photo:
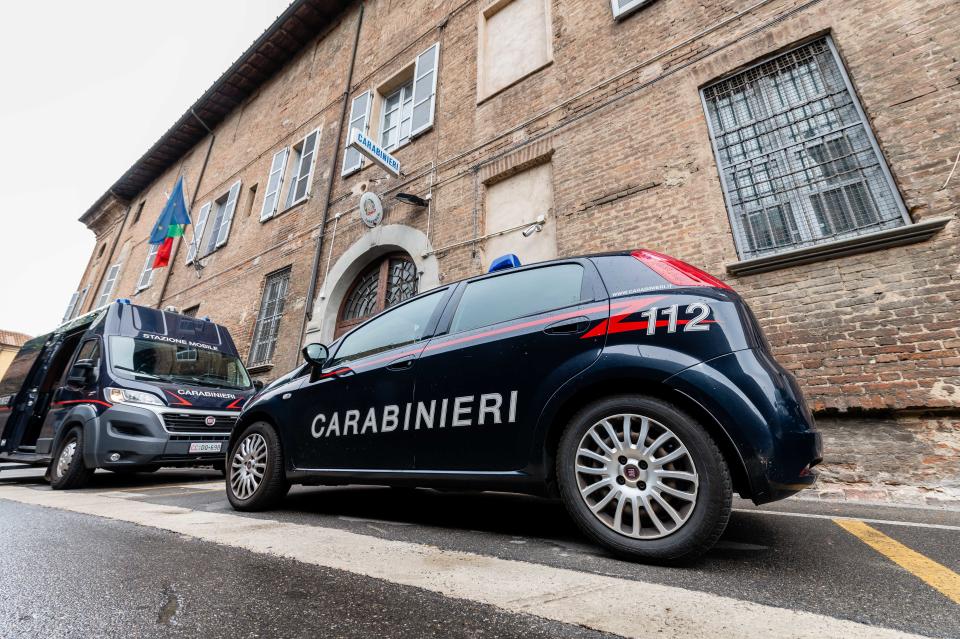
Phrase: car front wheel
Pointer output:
(644, 479)
(67, 469)
(255, 473)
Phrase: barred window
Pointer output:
(268, 321)
(798, 162)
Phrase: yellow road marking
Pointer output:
(920, 566)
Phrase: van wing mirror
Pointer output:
(316, 354)
(83, 373)
(258, 385)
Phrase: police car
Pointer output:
(636, 387)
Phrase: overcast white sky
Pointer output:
(86, 88)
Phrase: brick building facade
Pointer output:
(800, 149)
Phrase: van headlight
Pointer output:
(127, 396)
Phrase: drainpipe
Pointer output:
(314, 273)
(193, 200)
(113, 246)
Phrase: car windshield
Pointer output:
(135, 358)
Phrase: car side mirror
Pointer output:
(258, 385)
(316, 354)
(83, 373)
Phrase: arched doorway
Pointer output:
(388, 280)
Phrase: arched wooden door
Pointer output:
(385, 282)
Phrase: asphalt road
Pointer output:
(64, 573)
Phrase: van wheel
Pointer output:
(255, 475)
(644, 479)
(67, 469)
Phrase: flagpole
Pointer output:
(193, 200)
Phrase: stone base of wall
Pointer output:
(912, 460)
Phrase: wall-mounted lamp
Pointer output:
(414, 200)
(536, 227)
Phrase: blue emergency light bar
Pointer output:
(504, 262)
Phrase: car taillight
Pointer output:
(677, 272)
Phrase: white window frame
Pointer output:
(198, 230)
(295, 169)
(147, 272)
(109, 283)
(404, 95)
(622, 10)
(353, 160)
(271, 198)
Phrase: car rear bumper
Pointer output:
(759, 407)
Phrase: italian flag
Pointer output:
(171, 224)
(163, 253)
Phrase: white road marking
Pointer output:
(567, 596)
(887, 522)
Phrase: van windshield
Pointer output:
(134, 358)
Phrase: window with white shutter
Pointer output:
(424, 90)
(408, 99)
(225, 214)
(359, 117)
(198, 229)
(274, 182)
(301, 167)
(108, 283)
(71, 306)
(146, 275)
(80, 302)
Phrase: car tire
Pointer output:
(256, 451)
(67, 469)
(689, 495)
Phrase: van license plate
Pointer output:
(205, 447)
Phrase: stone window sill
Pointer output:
(259, 368)
(909, 234)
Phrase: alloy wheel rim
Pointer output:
(66, 457)
(248, 466)
(636, 476)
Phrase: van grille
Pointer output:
(196, 423)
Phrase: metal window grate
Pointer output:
(268, 321)
(798, 163)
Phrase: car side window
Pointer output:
(405, 324)
(90, 350)
(498, 299)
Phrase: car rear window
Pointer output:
(512, 295)
(626, 275)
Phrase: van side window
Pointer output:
(404, 324)
(90, 350)
(513, 295)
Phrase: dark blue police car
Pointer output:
(636, 387)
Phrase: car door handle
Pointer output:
(401, 364)
(569, 326)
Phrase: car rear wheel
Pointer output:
(255, 475)
(67, 469)
(644, 479)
